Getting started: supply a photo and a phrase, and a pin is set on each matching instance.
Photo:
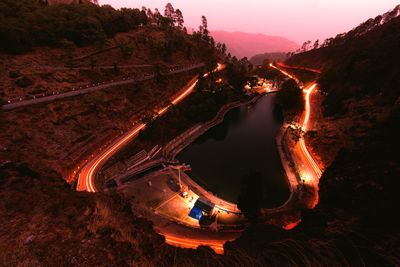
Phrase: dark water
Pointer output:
(244, 143)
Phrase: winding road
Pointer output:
(87, 174)
(309, 169)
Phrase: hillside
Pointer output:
(360, 78)
(353, 225)
(259, 58)
(44, 222)
(354, 222)
(56, 136)
(242, 44)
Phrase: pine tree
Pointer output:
(169, 12)
(204, 27)
(179, 18)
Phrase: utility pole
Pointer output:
(179, 176)
(179, 167)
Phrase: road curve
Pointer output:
(216, 245)
(87, 174)
(309, 169)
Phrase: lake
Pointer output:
(223, 157)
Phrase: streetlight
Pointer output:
(179, 167)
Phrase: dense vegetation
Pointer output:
(354, 223)
(371, 66)
(266, 72)
(210, 95)
(260, 58)
(250, 198)
(25, 24)
(290, 96)
(358, 65)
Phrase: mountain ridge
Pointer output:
(242, 44)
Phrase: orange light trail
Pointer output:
(291, 225)
(88, 172)
(216, 245)
(311, 160)
(299, 68)
(284, 72)
(314, 172)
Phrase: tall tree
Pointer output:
(316, 44)
(169, 11)
(179, 18)
(305, 47)
(150, 15)
(157, 16)
(250, 198)
(204, 27)
(223, 49)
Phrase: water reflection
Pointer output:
(244, 143)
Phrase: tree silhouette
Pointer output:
(169, 12)
(316, 44)
(290, 96)
(204, 27)
(250, 198)
(179, 18)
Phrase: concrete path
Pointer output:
(22, 102)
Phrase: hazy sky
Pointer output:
(298, 20)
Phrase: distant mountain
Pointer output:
(259, 58)
(242, 44)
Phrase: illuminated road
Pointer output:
(298, 68)
(216, 245)
(87, 175)
(310, 172)
(284, 72)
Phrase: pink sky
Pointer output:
(298, 20)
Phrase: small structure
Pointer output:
(196, 213)
(201, 208)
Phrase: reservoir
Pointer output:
(224, 158)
